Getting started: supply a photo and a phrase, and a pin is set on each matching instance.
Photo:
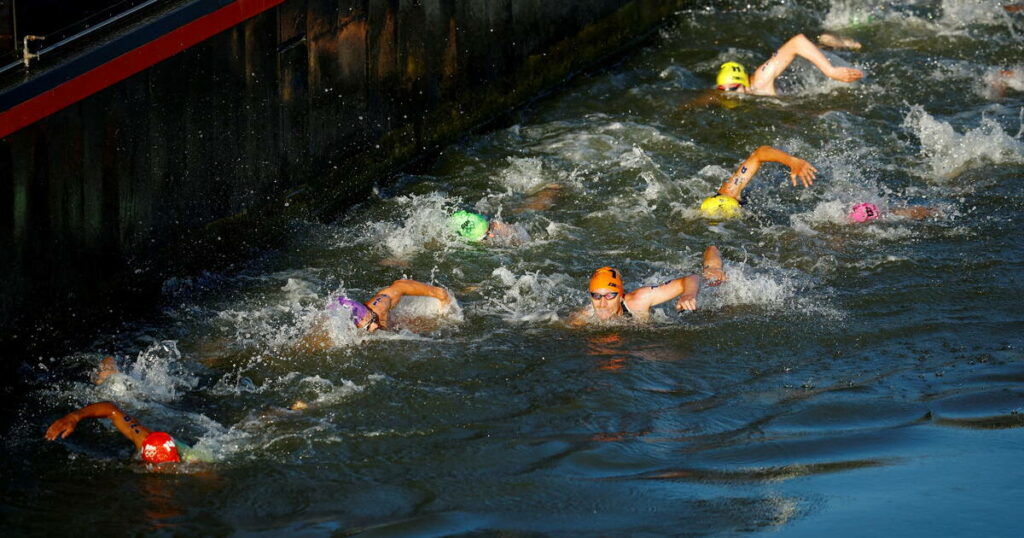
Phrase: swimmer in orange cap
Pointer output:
(725, 203)
(609, 298)
(151, 446)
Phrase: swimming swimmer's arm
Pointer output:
(580, 317)
(763, 79)
(798, 168)
(540, 200)
(712, 269)
(706, 98)
(914, 212)
(686, 288)
(399, 288)
(127, 425)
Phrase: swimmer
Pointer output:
(151, 446)
(726, 202)
(107, 368)
(541, 200)
(839, 43)
(476, 228)
(867, 211)
(609, 299)
(1002, 80)
(373, 314)
(733, 78)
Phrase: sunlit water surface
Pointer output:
(848, 379)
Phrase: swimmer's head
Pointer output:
(357, 310)
(159, 447)
(864, 212)
(606, 278)
(720, 207)
(731, 76)
(469, 226)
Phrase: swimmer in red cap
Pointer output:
(152, 446)
(609, 298)
(725, 203)
(373, 314)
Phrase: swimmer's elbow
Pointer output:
(762, 153)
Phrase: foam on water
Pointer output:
(848, 14)
(948, 153)
(682, 78)
(528, 298)
(274, 322)
(960, 13)
(424, 223)
(597, 141)
(524, 175)
(158, 373)
(749, 286)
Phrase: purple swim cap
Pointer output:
(356, 309)
(864, 212)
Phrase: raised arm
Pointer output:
(389, 297)
(763, 79)
(798, 168)
(127, 425)
(399, 288)
(642, 299)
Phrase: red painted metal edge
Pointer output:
(129, 63)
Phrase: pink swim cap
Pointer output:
(864, 212)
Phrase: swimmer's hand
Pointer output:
(63, 427)
(714, 276)
(444, 300)
(799, 168)
(845, 74)
(687, 301)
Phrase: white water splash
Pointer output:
(524, 175)
(157, 374)
(948, 153)
(425, 223)
(848, 14)
(960, 13)
(530, 297)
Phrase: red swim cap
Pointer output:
(159, 447)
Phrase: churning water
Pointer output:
(849, 379)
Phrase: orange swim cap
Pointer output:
(606, 278)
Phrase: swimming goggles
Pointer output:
(374, 318)
(597, 296)
(730, 87)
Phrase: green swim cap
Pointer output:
(471, 226)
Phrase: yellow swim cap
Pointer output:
(732, 73)
(720, 207)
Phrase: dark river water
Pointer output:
(848, 379)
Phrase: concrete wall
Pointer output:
(293, 113)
